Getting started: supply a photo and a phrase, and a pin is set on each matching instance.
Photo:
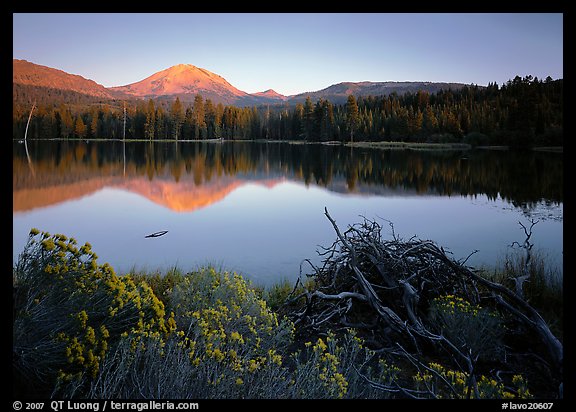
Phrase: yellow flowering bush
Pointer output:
(230, 333)
(69, 309)
(229, 344)
(440, 382)
(329, 368)
(470, 327)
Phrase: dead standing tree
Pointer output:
(527, 246)
(385, 289)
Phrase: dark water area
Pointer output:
(257, 208)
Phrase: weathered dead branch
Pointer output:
(527, 246)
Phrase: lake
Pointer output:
(258, 208)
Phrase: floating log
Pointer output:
(157, 234)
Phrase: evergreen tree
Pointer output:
(188, 126)
(66, 122)
(266, 124)
(94, 130)
(150, 123)
(47, 123)
(229, 122)
(210, 116)
(327, 121)
(298, 121)
(198, 116)
(177, 117)
(430, 122)
(218, 114)
(161, 123)
(352, 117)
(308, 119)
(79, 128)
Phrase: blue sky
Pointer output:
(294, 53)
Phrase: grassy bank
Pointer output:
(82, 331)
(411, 145)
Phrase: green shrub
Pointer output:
(471, 328)
(543, 289)
(277, 294)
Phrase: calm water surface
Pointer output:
(257, 208)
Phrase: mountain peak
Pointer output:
(181, 67)
(271, 94)
(185, 81)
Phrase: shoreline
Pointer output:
(395, 145)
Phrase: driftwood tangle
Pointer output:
(385, 287)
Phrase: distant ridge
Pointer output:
(338, 93)
(30, 74)
(186, 81)
(271, 94)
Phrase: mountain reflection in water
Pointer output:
(186, 176)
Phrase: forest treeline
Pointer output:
(523, 112)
